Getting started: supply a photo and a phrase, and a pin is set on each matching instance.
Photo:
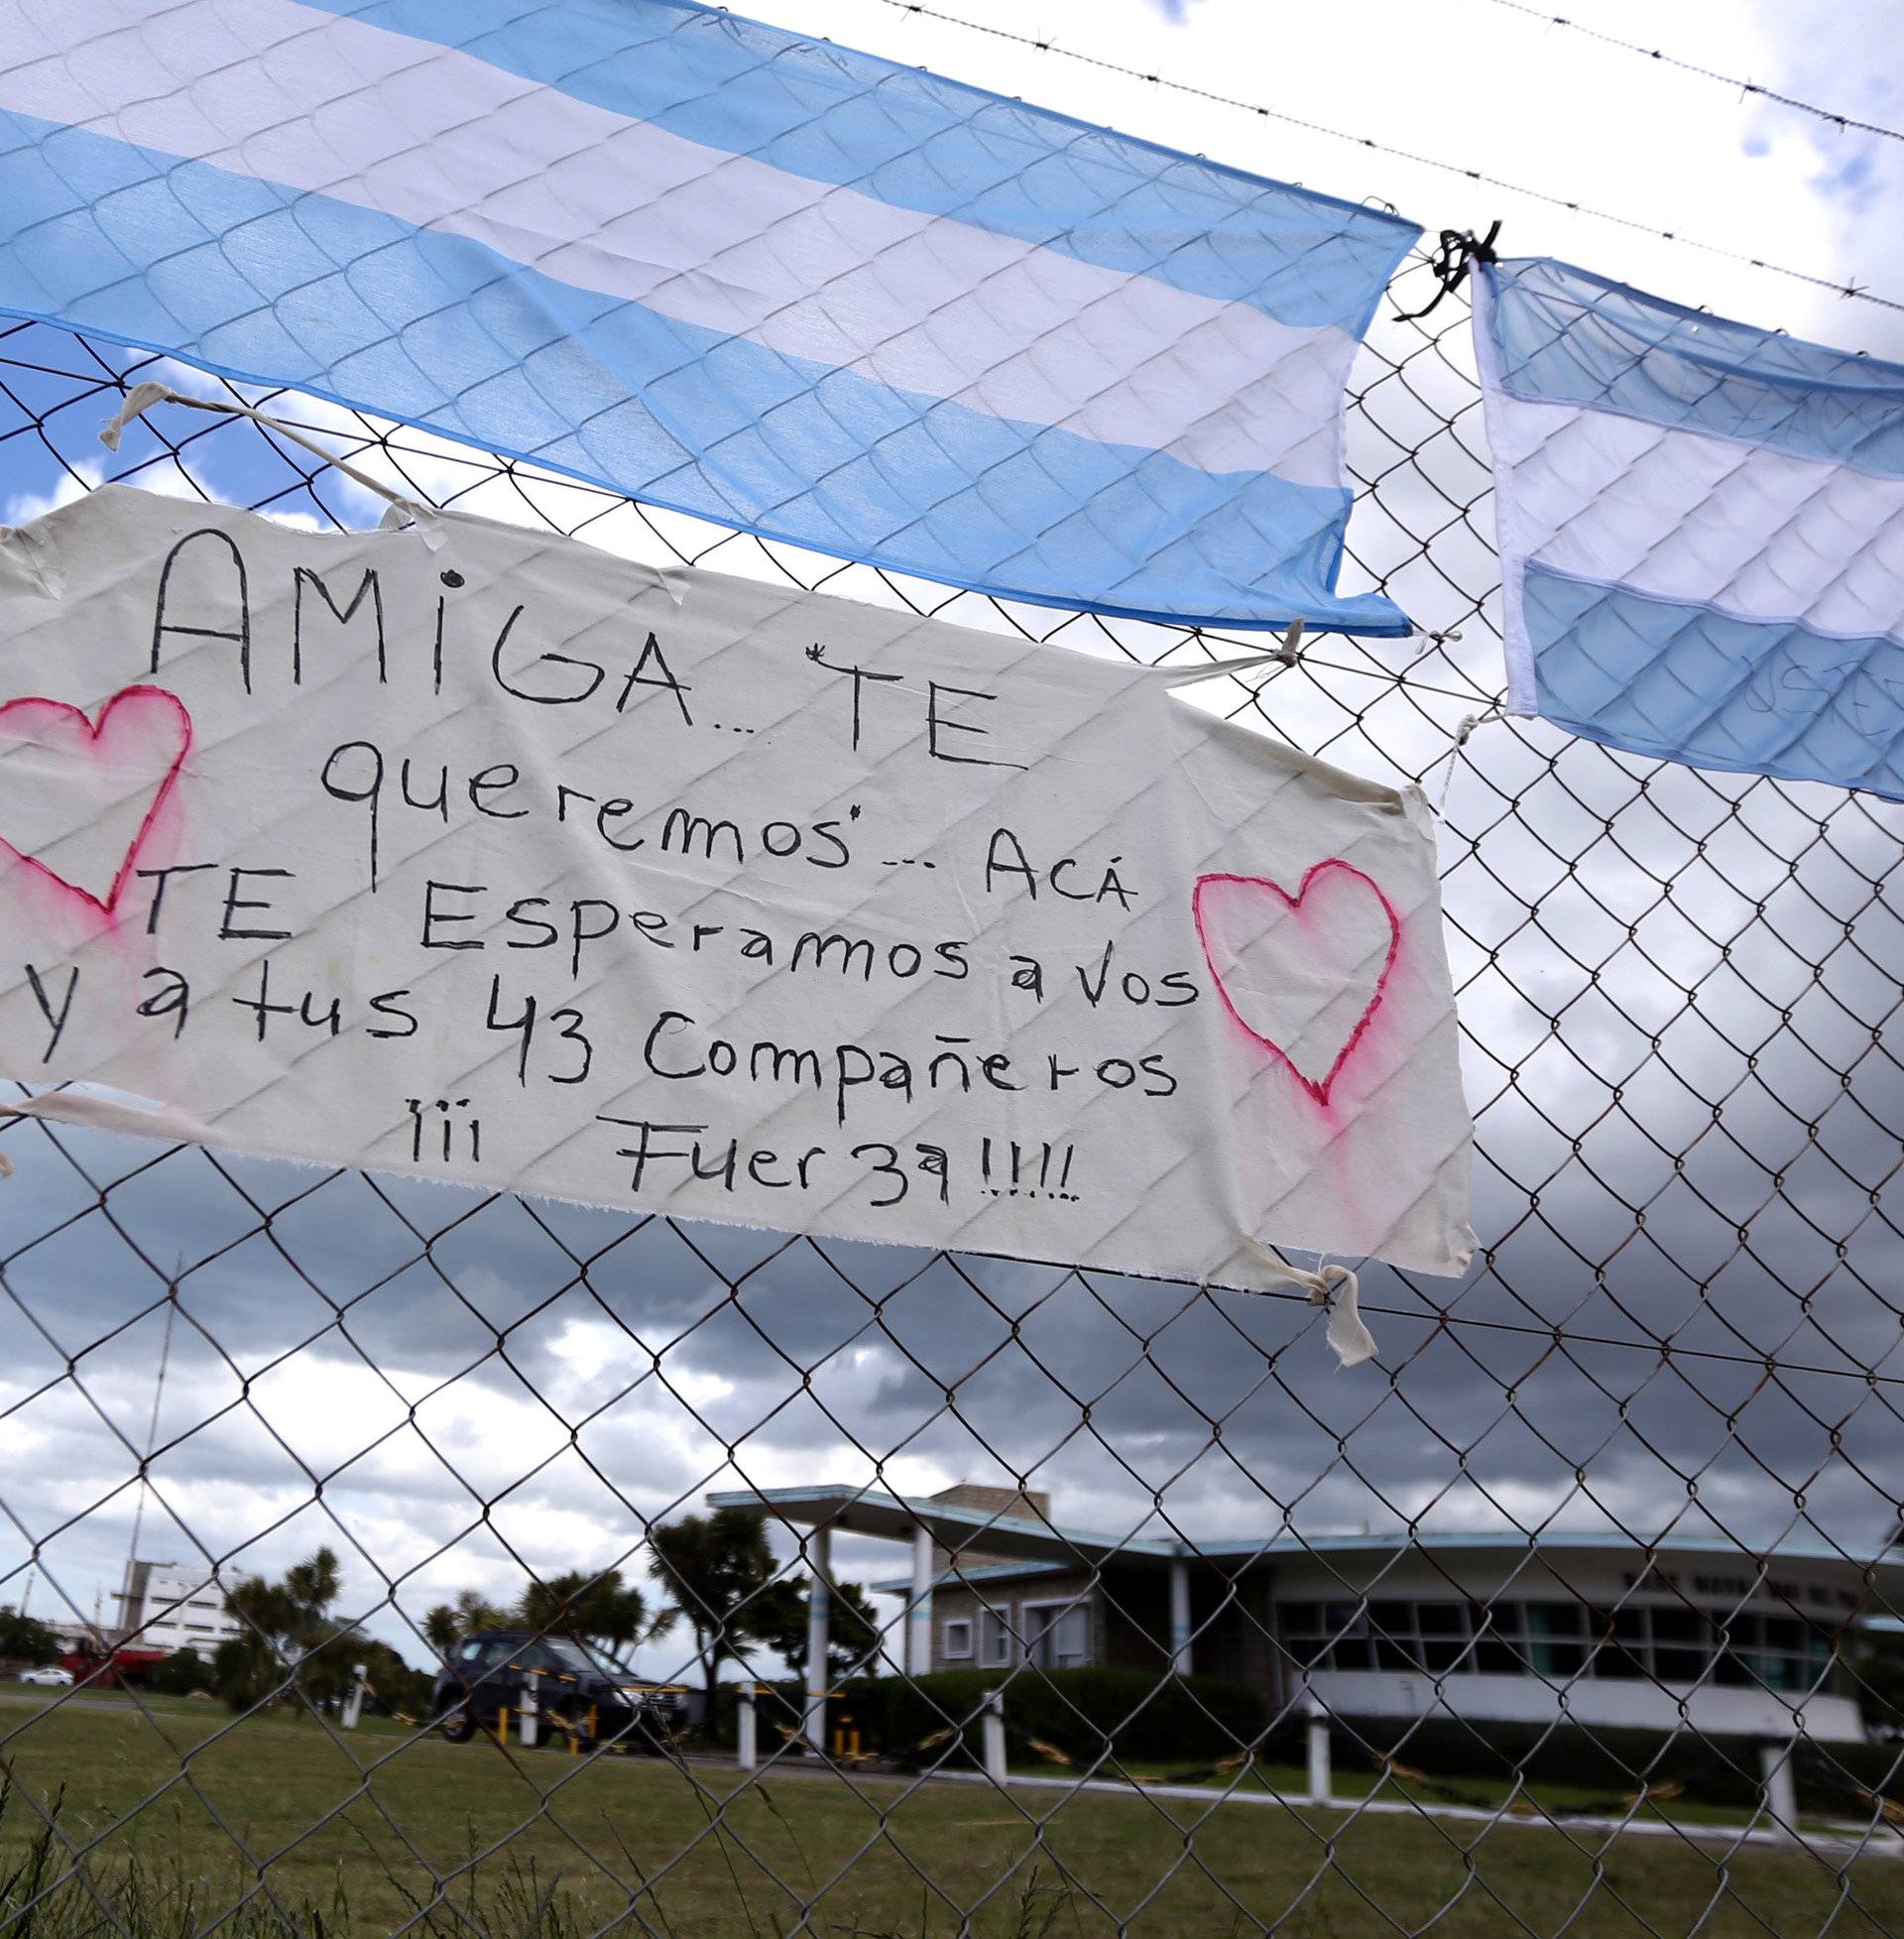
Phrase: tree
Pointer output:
(442, 1629)
(394, 1688)
(602, 1611)
(24, 1640)
(234, 1670)
(291, 1641)
(312, 1584)
(854, 1637)
(470, 1612)
(715, 1569)
(179, 1675)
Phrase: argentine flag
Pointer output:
(723, 269)
(1701, 529)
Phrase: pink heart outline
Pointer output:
(1317, 1089)
(160, 795)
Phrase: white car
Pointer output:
(49, 1677)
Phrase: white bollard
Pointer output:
(354, 1696)
(1779, 1791)
(530, 1715)
(747, 1742)
(1321, 1778)
(992, 1727)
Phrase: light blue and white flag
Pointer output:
(723, 269)
(1702, 529)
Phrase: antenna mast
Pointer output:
(152, 1441)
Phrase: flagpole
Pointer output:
(152, 1441)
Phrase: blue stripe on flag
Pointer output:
(1684, 682)
(269, 285)
(934, 146)
(1567, 336)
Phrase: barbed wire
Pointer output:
(1842, 286)
(1665, 59)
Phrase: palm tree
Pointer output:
(714, 1569)
(600, 1610)
(442, 1629)
(287, 1625)
(470, 1612)
(315, 1580)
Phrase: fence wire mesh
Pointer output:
(1572, 1607)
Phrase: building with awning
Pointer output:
(1589, 1627)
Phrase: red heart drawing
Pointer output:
(1303, 974)
(69, 775)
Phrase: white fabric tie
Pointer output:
(1452, 757)
(1334, 1286)
(142, 397)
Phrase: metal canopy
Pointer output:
(973, 1531)
(959, 1528)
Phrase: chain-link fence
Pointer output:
(435, 1559)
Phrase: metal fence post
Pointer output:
(1778, 1789)
(354, 1696)
(745, 1727)
(992, 1726)
(1321, 1778)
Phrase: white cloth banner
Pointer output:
(465, 852)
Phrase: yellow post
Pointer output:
(502, 1725)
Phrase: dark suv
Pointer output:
(577, 1694)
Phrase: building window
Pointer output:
(955, 1639)
(1057, 1636)
(1682, 1645)
(1561, 1641)
(994, 1638)
(1326, 1636)
(1386, 1636)
(1553, 1640)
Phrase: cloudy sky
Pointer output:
(481, 1385)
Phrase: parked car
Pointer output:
(578, 1695)
(49, 1676)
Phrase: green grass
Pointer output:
(537, 1844)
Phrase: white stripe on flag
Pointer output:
(1756, 532)
(440, 139)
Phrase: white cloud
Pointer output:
(22, 508)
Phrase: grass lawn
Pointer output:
(542, 1844)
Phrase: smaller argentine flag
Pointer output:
(722, 268)
(1701, 528)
